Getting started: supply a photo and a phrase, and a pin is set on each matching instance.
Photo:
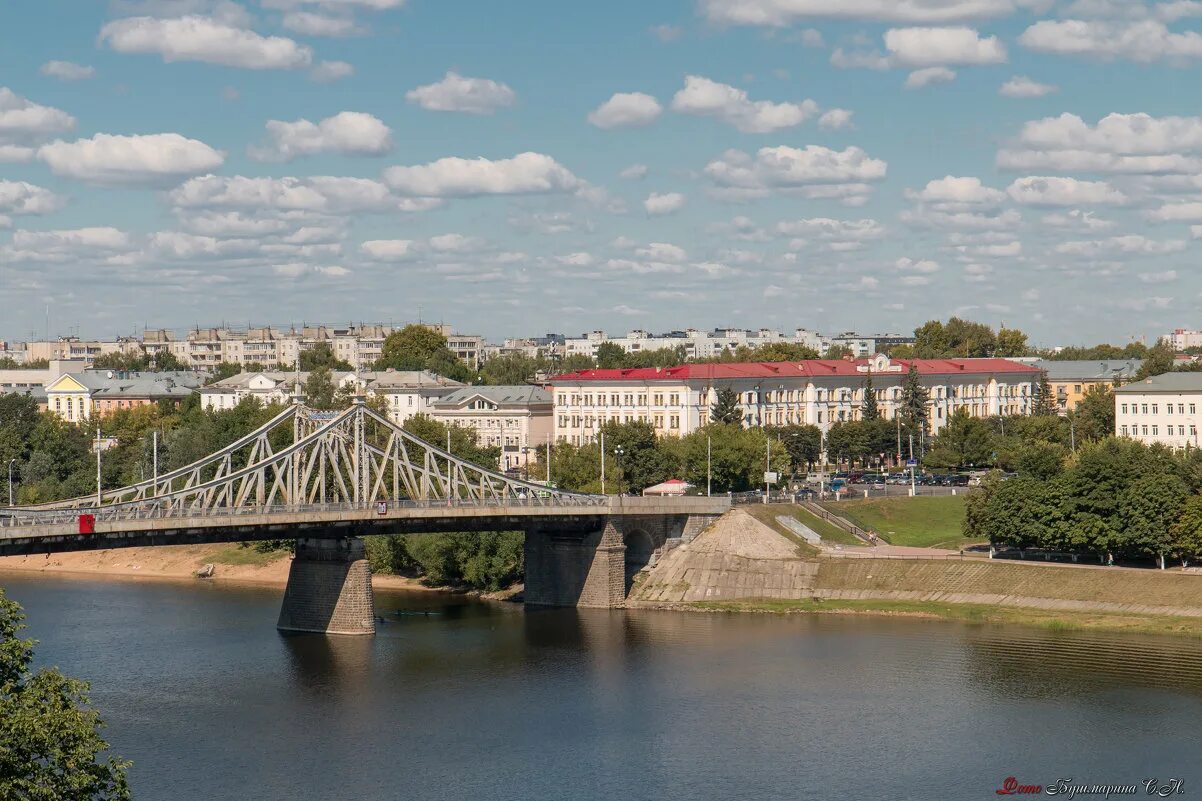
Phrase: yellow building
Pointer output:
(1070, 380)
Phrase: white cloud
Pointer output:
(372, 5)
(67, 71)
(662, 251)
(635, 172)
(785, 12)
(829, 229)
(625, 110)
(663, 204)
(951, 192)
(308, 23)
(468, 95)
(784, 166)
(931, 47)
(1128, 134)
(19, 197)
(16, 154)
(331, 71)
(1144, 41)
(1077, 219)
(1050, 191)
(1023, 87)
(525, 173)
(1132, 244)
(1190, 211)
(836, 119)
(1161, 277)
(349, 132)
(454, 243)
(929, 76)
(704, 97)
(23, 121)
(113, 160)
(318, 194)
(197, 38)
(924, 266)
(578, 259)
(389, 249)
(64, 245)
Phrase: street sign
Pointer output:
(911, 463)
(770, 477)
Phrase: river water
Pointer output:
(457, 699)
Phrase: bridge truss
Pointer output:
(355, 458)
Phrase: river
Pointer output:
(456, 699)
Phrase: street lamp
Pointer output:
(618, 451)
(11, 462)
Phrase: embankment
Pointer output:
(761, 568)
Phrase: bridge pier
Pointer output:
(329, 588)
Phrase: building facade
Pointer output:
(677, 400)
(516, 419)
(1071, 380)
(1162, 409)
(697, 344)
(1180, 339)
(92, 394)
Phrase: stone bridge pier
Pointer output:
(329, 588)
(595, 566)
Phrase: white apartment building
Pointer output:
(516, 419)
(405, 393)
(1182, 338)
(708, 344)
(76, 348)
(677, 400)
(1162, 409)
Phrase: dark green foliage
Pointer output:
(1045, 400)
(725, 409)
(1158, 360)
(913, 411)
(322, 355)
(463, 440)
(419, 347)
(484, 560)
(319, 388)
(641, 463)
(869, 410)
(139, 361)
(49, 736)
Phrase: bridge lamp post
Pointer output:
(618, 451)
(11, 462)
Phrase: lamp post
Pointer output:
(709, 466)
(618, 451)
(11, 462)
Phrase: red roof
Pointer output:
(812, 368)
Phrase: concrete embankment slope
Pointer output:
(739, 558)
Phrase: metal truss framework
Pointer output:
(355, 458)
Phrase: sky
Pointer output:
(534, 166)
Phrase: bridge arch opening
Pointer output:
(640, 553)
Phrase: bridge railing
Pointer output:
(152, 510)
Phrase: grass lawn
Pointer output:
(767, 514)
(923, 522)
(237, 555)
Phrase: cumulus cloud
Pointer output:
(198, 38)
(626, 110)
(1021, 86)
(22, 121)
(830, 229)
(952, 193)
(908, 265)
(1077, 218)
(1190, 211)
(308, 23)
(929, 76)
(67, 71)
(19, 197)
(1118, 143)
(783, 166)
(525, 173)
(786, 12)
(1132, 244)
(835, 120)
(932, 47)
(324, 194)
(112, 160)
(467, 95)
(64, 245)
(666, 203)
(635, 172)
(1143, 41)
(704, 97)
(662, 251)
(349, 132)
(1050, 191)
(389, 249)
(331, 71)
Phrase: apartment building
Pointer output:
(1071, 380)
(677, 400)
(90, 394)
(1180, 339)
(76, 348)
(516, 419)
(1162, 409)
(698, 344)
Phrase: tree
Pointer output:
(1149, 508)
(869, 410)
(464, 443)
(1010, 342)
(965, 440)
(782, 352)
(1045, 400)
(737, 457)
(1093, 418)
(930, 341)
(803, 443)
(913, 407)
(1186, 532)
(641, 464)
(321, 355)
(1159, 360)
(1040, 460)
(419, 347)
(725, 408)
(49, 735)
(511, 369)
(838, 351)
(319, 388)
(610, 356)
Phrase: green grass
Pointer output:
(922, 522)
(971, 613)
(237, 555)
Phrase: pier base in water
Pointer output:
(329, 589)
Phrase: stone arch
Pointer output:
(640, 554)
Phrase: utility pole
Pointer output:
(549, 438)
(709, 468)
(603, 462)
(767, 466)
(11, 462)
(155, 459)
(99, 496)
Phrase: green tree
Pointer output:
(642, 463)
(1010, 342)
(869, 410)
(1186, 532)
(1045, 400)
(419, 347)
(49, 736)
(610, 356)
(930, 340)
(725, 408)
(964, 441)
(1159, 359)
(782, 352)
(1148, 510)
(322, 355)
(1093, 417)
(1040, 460)
(512, 369)
(319, 388)
(913, 407)
(464, 443)
(838, 351)
(978, 506)
(660, 357)
(803, 443)
(738, 457)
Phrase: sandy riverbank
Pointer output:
(231, 563)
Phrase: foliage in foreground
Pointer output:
(49, 737)
(478, 560)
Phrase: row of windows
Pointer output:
(1136, 431)
(618, 399)
(588, 421)
(1142, 408)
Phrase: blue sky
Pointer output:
(539, 166)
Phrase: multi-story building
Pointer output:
(698, 344)
(76, 348)
(515, 419)
(549, 346)
(1161, 409)
(91, 394)
(677, 400)
(1183, 339)
(404, 393)
(1070, 380)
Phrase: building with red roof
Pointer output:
(821, 392)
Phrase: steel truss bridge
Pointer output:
(304, 467)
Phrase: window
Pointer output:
(1155, 433)
(1077, 388)
(1155, 409)
(1191, 409)
(1144, 408)
(1124, 430)
(1181, 431)
(1168, 408)
(675, 421)
(1124, 408)
(674, 399)
(1145, 430)
(1180, 408)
